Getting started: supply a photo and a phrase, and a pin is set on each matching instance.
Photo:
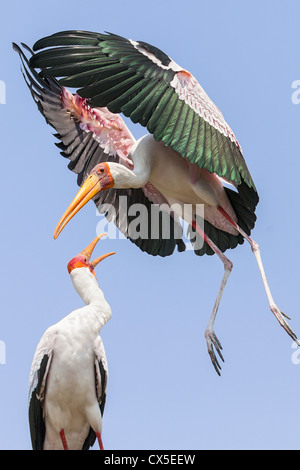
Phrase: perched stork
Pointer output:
(68, 376)
(182, 166)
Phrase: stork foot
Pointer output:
(281, 317)
(213, 344)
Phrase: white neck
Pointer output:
(142, 164)
(87, 287)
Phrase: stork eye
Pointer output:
(101, 170)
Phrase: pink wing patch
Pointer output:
(108, 129)
(154, 195)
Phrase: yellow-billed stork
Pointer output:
(68, 376)
(181, 166)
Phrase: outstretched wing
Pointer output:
(90, 135)
(144, 84)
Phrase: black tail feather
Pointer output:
(245, 219)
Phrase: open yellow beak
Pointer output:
(88, 190)
(87, 252)
(101, 258)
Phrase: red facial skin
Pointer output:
(102, 171)
(80, 261)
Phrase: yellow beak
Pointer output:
(88, 190)
(101, 258)
(87, 252)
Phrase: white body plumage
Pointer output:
(71, 389)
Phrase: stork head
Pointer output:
(99, 179)
(82, 260)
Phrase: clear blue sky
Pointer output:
(163, 392)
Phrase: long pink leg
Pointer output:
(63, 439)
(210, 336)
(255, 248)
(100, 440)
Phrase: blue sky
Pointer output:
(163, 392)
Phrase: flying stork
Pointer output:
(189, 160)
(68, 376)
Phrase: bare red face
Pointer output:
(80, 261)
(83, 259)
(102, 171)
